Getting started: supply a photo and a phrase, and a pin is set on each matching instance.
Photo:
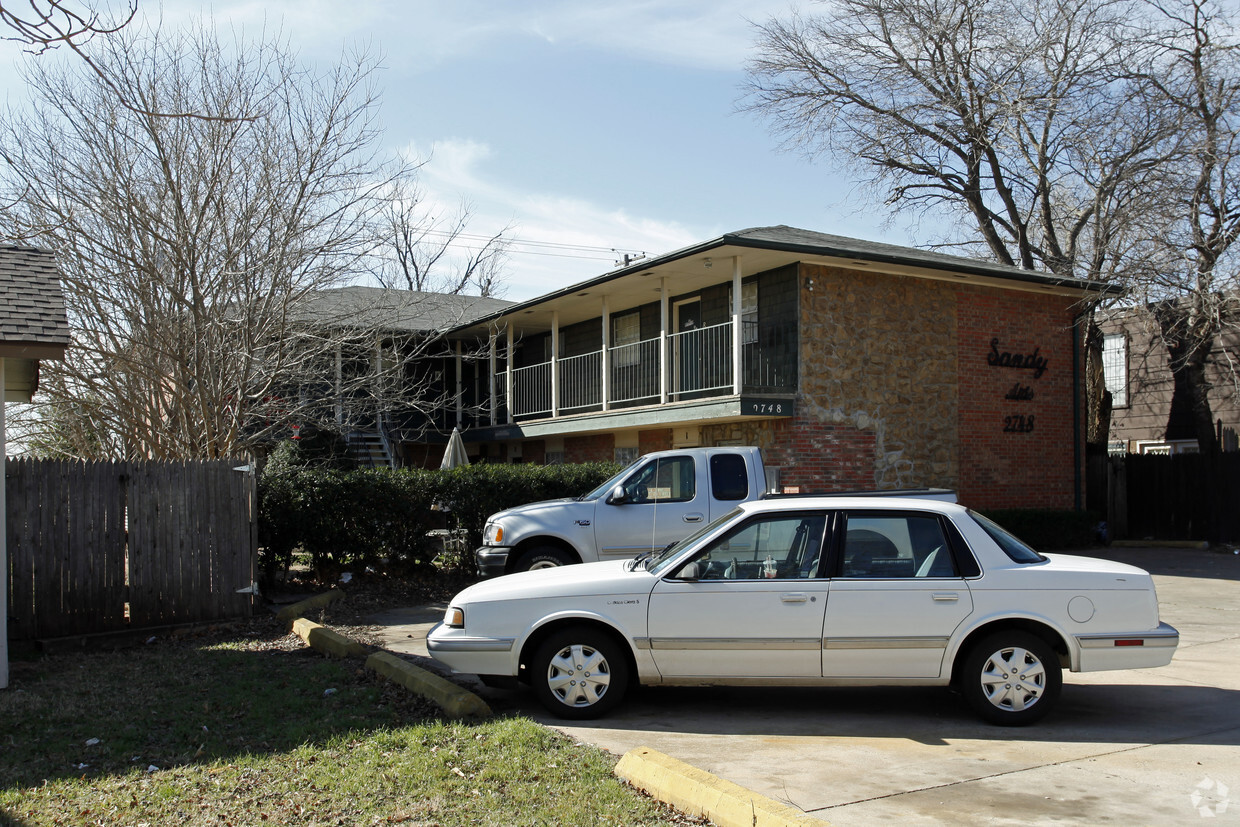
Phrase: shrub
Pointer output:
(350, 520)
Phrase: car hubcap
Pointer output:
(544, 564)
(578, 675)
(1013, 679)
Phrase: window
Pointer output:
(781, 547)
(749, 312)
(1115, 368)
(626, 332)
(1012, 546)
(667, 479)
(728, 480)
(896, 545)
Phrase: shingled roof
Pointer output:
(396, 311)
(33, 323)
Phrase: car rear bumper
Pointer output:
(1128, 651)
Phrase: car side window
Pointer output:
(895, 546)
(728, 479)
(780, 547)
(666, 480)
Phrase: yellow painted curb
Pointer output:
(327, 641)
(320, 601)
(699, 793)
(454, 700)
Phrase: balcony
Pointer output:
(680, 367)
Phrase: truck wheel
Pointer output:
(543, 557)
(579, 673)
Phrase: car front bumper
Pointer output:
(492, 561)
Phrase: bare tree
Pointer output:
(431, 252)
(1041, 121)
(189, 247)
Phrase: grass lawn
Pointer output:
(252, 727)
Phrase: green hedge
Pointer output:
(1049, 530)
(341, 520)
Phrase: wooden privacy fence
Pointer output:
(109, 546)
(1180, 497)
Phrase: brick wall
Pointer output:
(590, 448)
(1015, 425)
(648, 441)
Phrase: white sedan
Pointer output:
(815, 591)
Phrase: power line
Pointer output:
(578, 251)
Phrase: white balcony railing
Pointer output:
(696, 363)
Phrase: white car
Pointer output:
(815, 591)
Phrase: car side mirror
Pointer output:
(617, 496)
(689, 571)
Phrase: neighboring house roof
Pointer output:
(397, 311)
(770, 247)
(33, 323)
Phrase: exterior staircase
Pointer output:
(369, 449)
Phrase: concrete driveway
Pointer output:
(1158, 746)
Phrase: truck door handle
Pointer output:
(794, 597)
(693, 518)
(945, 597)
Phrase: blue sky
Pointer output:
(598, 125)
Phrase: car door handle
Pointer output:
(794, 597)
(693, 518)
(945, 597)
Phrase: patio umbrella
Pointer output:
(454, 454)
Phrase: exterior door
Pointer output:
(687, 356)
(755, 608)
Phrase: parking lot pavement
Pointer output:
(1157, 746)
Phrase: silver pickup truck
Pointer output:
(658, 499)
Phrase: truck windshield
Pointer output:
(662, 559)
(612, 482)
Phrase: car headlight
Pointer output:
(454, 617)
(493, 535)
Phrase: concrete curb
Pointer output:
(327, 641)
(699, 793)
(457, 702)
(320, 601)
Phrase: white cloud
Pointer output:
(584, 233)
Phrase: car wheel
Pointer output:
(1011, 678)
(580, 673)
(543, 557)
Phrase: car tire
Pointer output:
(1011, 678)
(579, 673)
(543, 557)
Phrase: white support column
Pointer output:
(4, 540)
(736, 325)
(460, 388)
(664, 357)
(606, 361)
(555, 363)
(508, 373)
(491, 382)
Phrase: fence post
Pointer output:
(1117, 498)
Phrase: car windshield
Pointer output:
(612, 481)
(1011, 545)
(661, 560)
